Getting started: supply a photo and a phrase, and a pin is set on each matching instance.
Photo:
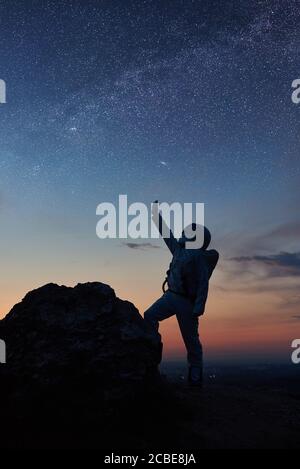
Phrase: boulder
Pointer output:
(61, 337)
(81, 372)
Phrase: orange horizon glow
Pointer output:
(232, 324)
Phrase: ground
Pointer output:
(240, 407)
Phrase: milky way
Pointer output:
(125, 96)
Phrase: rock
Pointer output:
(81, 372)
(75, 338)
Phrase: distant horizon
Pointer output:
(245, 353)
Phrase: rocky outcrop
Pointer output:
(61, 336)
(81, 372)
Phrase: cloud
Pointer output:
(289, 230)
(2, 201)
(273, 240)
(284, 264)
(141, 246)
(286, 235)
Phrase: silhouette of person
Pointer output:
(188, 281)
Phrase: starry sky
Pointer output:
(185, 101)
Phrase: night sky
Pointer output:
(172, 100)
